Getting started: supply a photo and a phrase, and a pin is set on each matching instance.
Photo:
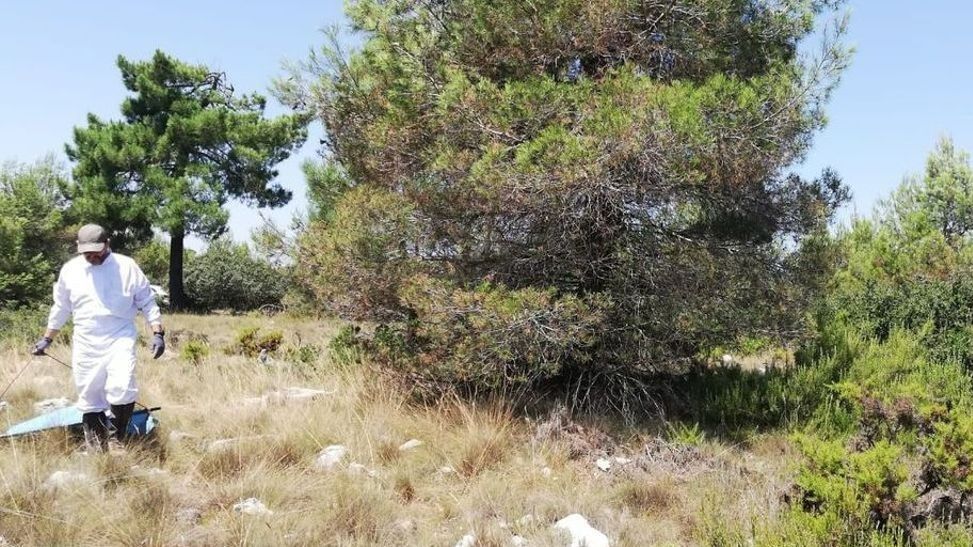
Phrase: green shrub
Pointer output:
(251, 342)
(911, 433)
(346, 348)
(489, 338)
(304, 354)
(25, 325)
(34, 239)
(153, 259)
(194, 351)
(228, 277)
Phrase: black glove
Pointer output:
(158, 344)
(41, 346)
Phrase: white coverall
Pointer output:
(104, 300)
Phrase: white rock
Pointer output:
(727, 359)
(356, 468)
(296, 394)
(330, 457)
(179, 436)
(50, 405)
(253, 507)
(410, 445)
(622, 461)
(3, 406)
(525, 521)
(66, 479)
(603, 464)
(547, 471)
(189, 515)
(139, 471)
(445, 470)
(518, 541)
(469, 540)
(286, 396)
(406, 525)
(223, 444)
(582, 534)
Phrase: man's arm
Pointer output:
(145, 301)
(61, 308)
(60, 313)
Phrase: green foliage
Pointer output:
(903, 293)
(682, 433)
(20, 326)
(345, 347)
(34, 238)
(250, 341)
(909, 434)
(354, 264)
(185, 146)
(194, 351)
(941, 202)
(228, 277)
(153, 259)
(910, 267)
(304, 354)
(615, 169)
(489, 338)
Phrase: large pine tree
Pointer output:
(600, 186)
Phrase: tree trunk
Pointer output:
(177, 294)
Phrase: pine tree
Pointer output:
(185, 145)
(610, 177)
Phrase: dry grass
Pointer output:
(480, 469)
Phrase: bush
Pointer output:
(194, 351)
(251, 342)
(910, 436)
(228, 277)
(345, 347)
(153, 259)
(354, 264)
(490, 338)
(34, 240)
(304, 354)
(23, 326)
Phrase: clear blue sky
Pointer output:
(909, 82)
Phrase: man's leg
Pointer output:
(89, 379)
(120, 386)
(121, 415)
(95, 427)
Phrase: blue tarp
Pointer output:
(142, 422)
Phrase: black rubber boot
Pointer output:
(95, 431)
(121, 415)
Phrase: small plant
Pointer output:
(250, 342)
(305, 354)
(646, 497)
(194, 351)
(682, 433)
(345, 347)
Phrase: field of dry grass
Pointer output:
(480, 470)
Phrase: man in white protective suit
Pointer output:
(103, 291)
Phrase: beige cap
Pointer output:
(92, 239)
